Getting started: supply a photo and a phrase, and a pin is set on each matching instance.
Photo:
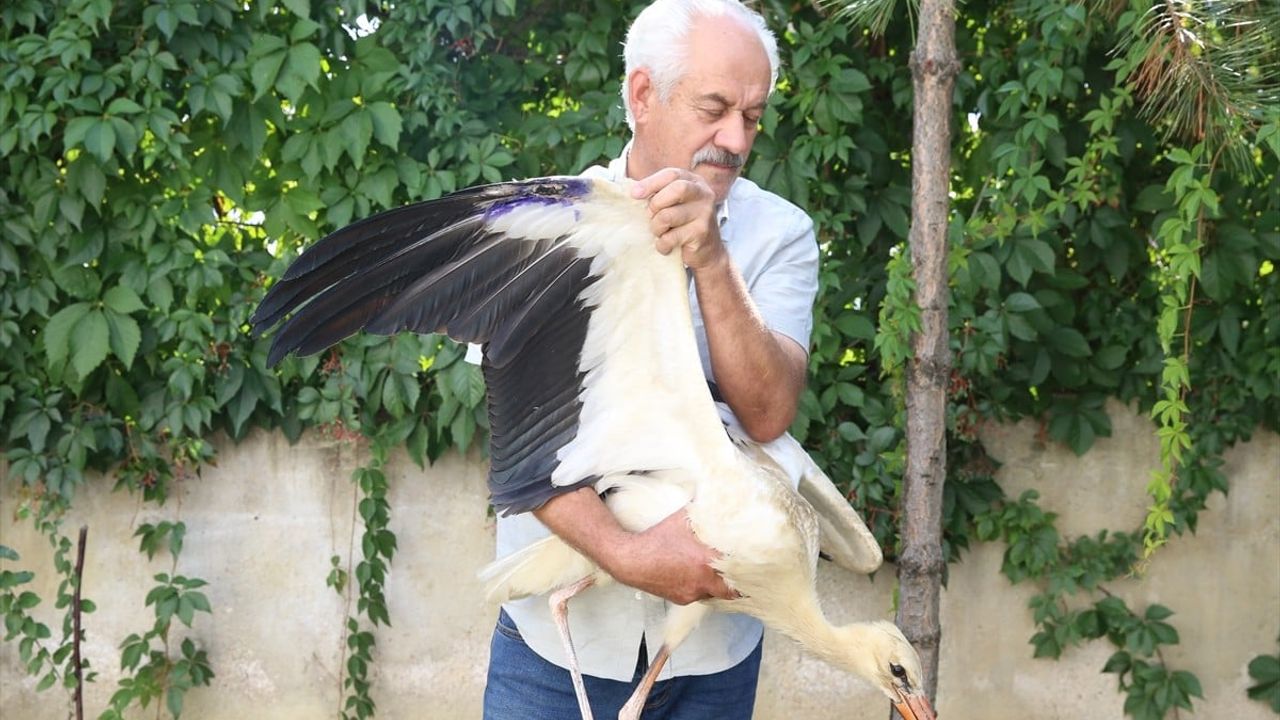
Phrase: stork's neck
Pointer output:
(844, 646)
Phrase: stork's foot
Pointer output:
(559, 602)
(631, 711)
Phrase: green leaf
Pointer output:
(1164, 633)
(1153, 198)
(46, 682)
(1068, 341)
(1229, 328)
(301, 68)
(463, 429)
(1217, 285)
(57, 332)
(1021, 302)
(72, 208)
(1119, 662)
(123, 300)
(386, 123)
(1020, 328)
(268, 54)
(125, 337)
(79, 281)
(123, 106)
(1188, 683)
(1110, 357)
(199, 601)
(89, 343)
(1019, 266)
(173, 700)
(100, 140)
(466, 383)
(856, 326)
(895, 217)
(303, 29)
(160, 292)
(1265, 670)
(77, 129)
(186, 611)
(984, 270)
(301, 8)
(356, 130)
(1042, 257)
(589, 152)
(89, 179)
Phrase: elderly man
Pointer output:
(698, 74)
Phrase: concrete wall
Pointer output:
(263, 523)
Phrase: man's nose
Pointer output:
(733, 137)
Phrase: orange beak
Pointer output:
(915, 707)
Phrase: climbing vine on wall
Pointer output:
(160, 164)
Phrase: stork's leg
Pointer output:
(631, 711)
(681, 621)
(560, 614)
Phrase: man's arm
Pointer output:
(666, 560)
(760, 373)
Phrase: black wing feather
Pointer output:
(438, 267)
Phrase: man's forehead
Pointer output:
(716, 98)
(725, 54)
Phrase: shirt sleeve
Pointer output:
(785, 290)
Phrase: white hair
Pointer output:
(656, 42)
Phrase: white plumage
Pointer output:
(594, 378)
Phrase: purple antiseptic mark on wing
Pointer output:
(560, 191)
(502, 207)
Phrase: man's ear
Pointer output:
(642, 93)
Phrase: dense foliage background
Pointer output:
(161, 162)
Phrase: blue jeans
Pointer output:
(523, 686)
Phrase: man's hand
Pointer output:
(683, 215)
(669, 561)
(666, 560)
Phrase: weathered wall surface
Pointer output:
(264, 522)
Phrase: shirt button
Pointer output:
(639, 595)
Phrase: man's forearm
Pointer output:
(583, 521)
(666, 560)
(759, 373)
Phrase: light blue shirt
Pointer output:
(772, 244)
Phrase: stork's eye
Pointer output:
(898, 671)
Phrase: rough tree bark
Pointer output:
(934, 67)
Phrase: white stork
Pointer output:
(593, 379)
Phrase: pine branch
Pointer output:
(1206, 71)
(871, 14)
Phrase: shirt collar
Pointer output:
(618, 171)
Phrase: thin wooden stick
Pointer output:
(75, 615)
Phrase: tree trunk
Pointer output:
(934, 67)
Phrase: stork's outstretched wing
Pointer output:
(590, 359)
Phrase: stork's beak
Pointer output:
(915, 707)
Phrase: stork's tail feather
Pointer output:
(537, 569)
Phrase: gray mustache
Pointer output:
(716, 156)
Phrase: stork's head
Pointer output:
(698, 75)
(881, 654)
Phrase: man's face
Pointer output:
(710, 120)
